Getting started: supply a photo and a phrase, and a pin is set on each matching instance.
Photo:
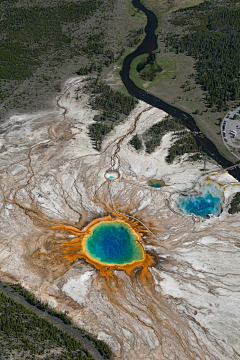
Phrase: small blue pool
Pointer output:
(156, 183)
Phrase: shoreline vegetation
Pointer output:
(76, 350)
(148, 68)
(182, 37)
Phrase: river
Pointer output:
(150, 44)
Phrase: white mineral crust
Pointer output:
(50, 174)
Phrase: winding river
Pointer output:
(149, 44)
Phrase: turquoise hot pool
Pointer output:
(156, 183)
(207, 202)
(114, 242)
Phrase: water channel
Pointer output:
(149, 44)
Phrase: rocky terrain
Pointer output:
(50, 175)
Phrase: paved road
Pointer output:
(87, 343)
(27, 82)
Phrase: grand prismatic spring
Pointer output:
(113, 242)
(108, 243)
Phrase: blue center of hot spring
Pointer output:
(114, 242)
(208, 202)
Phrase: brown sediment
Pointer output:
(69, 251)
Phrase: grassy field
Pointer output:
(164, 60)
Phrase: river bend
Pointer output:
(150, 44)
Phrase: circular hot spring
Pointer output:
(113, 242)
(112, 174)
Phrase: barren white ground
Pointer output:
(50, 174)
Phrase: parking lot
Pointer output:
(230, 128)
